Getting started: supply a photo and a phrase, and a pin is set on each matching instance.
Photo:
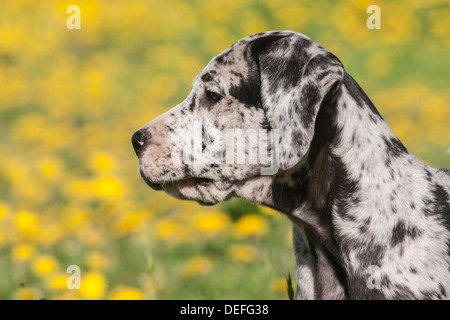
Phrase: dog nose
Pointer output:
(138, 140)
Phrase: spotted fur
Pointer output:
(356, 196)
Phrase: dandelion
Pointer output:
(4, 209)
(212, 222)
(58, 282)
(97, 260)
(50, 168)
(22, 253)
(268, 211)
(28, 294)
(166, 228)
(93, 285)
(107, 186)
(77, 188)
(278, 285)
(126, 293)
(44, 264)
(128, 223)
(197, 265)
(68, 295)
(27, 223)
(241, 252)
(250, 224)
(102, 162)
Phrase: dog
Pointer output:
(370, 220)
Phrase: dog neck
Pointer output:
(318, 193)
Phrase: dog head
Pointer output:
(251, 113)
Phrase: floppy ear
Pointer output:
(296, 74)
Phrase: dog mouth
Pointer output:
(205, 191)
(195, 181)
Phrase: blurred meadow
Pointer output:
(70, 192)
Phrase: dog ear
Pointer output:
(297, 76)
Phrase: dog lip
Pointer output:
(204, 181)
(159, 185)
(154, 185)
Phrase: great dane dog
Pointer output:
(371, 221)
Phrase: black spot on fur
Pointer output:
(265, 124)
(430, 294)
(442, 290)
(309, 98)
(237, 74)
(359, 95)
(441, 204)
(321, 62)
(192, 104)
(186, 171)
(438, 205)
(428, 175)
(248, 91)
(394, 146)
(347, 190)
(401, 231)
(394, 149)
(283, 70)
(207, 77)
(403, 293)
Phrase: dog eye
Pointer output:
(213, 96)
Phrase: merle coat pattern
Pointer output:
(356, 196)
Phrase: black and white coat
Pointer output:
(371, 221)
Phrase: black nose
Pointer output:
(138, 140)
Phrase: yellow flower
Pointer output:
(212, 222)
(92, 285)
(278, 285)
(166, 228)
(58, 281)
(68, 295)
(269, 211)
(27, 294)
(102, 162)
(241, 252)
(91, 237)
(107, 186)
(250, 224)
(22, 253)
(50, 168)
(44, 264)
(27, 223)
(128, 222)
(77, 188)
(4, 209)
(126, 293)
(51, 232)
(97, 260)
(197, 265)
